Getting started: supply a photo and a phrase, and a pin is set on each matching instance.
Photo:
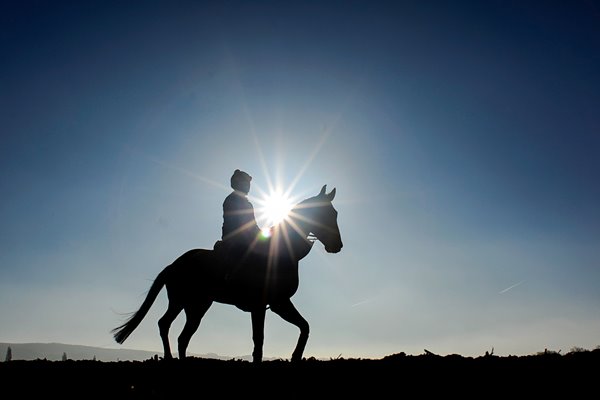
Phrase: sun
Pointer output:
(275, 208)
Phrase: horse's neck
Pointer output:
(296, 238)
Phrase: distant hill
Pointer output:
(54, 352)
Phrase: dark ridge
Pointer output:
(394, 375)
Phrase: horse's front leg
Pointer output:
(258, 333)
(288, 312)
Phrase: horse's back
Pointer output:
(196, 268)
(191, 255)
(201, 272)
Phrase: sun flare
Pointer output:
(275, 208)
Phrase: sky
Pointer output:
(463, 139)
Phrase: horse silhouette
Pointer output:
(199, 277)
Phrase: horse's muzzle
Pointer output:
(334, 249)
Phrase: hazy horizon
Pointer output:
(54, 352)
(463, 140)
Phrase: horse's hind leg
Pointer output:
(165, 323)
(193, 316)
(288, 312)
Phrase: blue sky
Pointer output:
(463, 139)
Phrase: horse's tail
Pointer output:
(122, 332)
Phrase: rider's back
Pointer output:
(239, 224)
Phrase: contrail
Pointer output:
(510, 287)
(362, 302)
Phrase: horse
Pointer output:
(257, 282)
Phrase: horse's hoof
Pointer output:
(257, 357)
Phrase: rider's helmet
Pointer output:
(240, 181)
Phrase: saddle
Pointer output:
(242, 274)
(235, 257)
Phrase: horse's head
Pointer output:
(321, 219)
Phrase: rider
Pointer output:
(240, 232)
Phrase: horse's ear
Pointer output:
(322, 193)
(331, 195)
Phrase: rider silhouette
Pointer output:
(239, 224)
(240, 233)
